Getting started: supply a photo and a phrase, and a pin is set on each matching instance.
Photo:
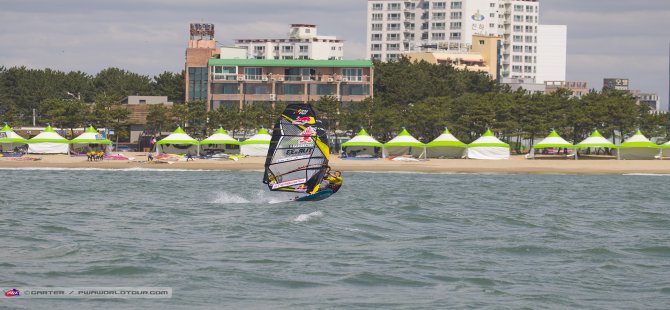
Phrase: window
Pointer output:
(517, 48)
(409, 26)
(455, 25)
(376, 27)
(393, 57)
(225, 88)
(439, 16)
(287, 49)
(528, 59)
(517, 38)
(394, 6)
(518, 28)
(377, 6)
(492, 25)
(438, 36)
(376, 37)
(392, 37)
(455, 36)
(287, 57)
(354, 89)
(439, 5)
(529, 19)
(529, 29)
(493, 5)
(257, 89)
(482, 42)
(529, 39)
(456, 15)
(376, 47)
(410, 16)
(253, 73)
(393, 47)
(376, 56)
(518, 8)
(259, 49)
(516, 68)
(393, 16)
(516, 58)
(410, 6)
(393, 27)
(377, 16)
(291, 89)
(456, 5)
(438, 26)
(143, 101)
(304, 48)
(528, 49)
(224, 73)
(353, 74)
(518, 18)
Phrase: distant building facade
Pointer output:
(234, 82)
(303, 42)
(395, 27)
(139, 109)
(482, 57)
(201, 47)
(578, 89)
(551, 53)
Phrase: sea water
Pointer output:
(220, 239)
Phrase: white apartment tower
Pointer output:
(302, 43)
(423, 25)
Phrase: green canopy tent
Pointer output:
(595, 140)
(220, 142)
(488, 147)
(48, 142)
(362, 146)
(446, 146)
(9, 140)
(177, 143)
(404, 144)
(257, 145)
(91, 138)
(638, 147)
(552, 141)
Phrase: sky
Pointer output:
(618, 39)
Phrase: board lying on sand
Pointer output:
(297, 159)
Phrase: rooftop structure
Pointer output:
(303, 42)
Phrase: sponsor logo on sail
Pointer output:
(307, 135)
(303, 120)
(12, 293)
(289, 183)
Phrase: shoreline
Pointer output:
(518, 164)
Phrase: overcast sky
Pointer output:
(623, 39)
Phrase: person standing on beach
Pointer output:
(189, 156)
(150, 157)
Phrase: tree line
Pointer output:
(424, 98)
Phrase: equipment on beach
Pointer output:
(297, 159)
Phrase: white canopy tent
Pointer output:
(9, 140)
(638, 147)
(363, 146)
(446, 146)
(404, 144)
(595, 140)
(488, 147)
(257, 145)
(48, 142)
(553, 140)
(177, 143)
(220, 142)
(91, 138)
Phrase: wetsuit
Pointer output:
(334, 183)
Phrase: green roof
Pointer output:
(307, 63)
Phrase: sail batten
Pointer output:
(298, 155)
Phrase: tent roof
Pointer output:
(220, 137)
(488, 140)
(90, 136)
(262, 137)
(12, 137)
(638, 140)
(178, 137)
(595, 140)
(666, 145)
(404, 139)
(362, 139)
(553, 140)
(446, 139)
(48, 135)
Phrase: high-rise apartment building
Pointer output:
(424, 25)
(302, 43)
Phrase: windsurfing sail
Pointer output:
(297, 158)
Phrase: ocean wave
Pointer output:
(308, 217)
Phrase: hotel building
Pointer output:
(226, 77)
(396, 26)
(302, 43)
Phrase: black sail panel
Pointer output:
(298, 154)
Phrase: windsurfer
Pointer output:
(334, 181)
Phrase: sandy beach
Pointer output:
(515, 165)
